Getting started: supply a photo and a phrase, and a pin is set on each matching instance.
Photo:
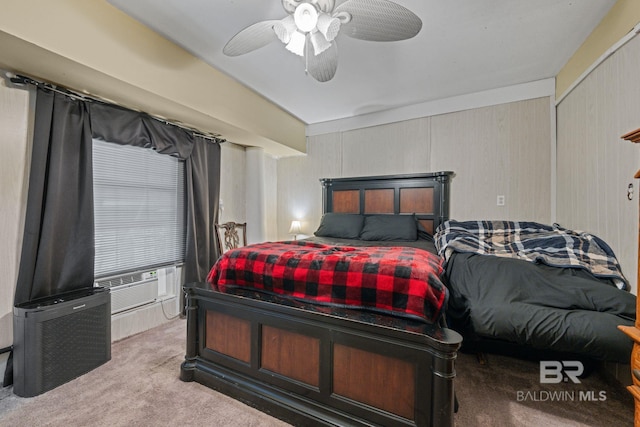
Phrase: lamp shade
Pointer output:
(295, 227)
(319, 43)
(296, 43)
(328, 26)
(285, 28)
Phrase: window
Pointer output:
(139, 208)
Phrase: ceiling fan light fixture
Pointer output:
(306, 17)
(328, 26)
(296, 44)
(311, 28)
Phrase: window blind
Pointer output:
(139, 208)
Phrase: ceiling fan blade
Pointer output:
(324, 5)
(322, 67)
(378, 20)
(251, 38)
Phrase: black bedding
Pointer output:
(426, 244)
(538, 287)
(565, 310)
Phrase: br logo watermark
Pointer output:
(554, 371)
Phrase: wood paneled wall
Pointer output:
(396, 148)
(595, 166)
(236, 184)
(499, 150)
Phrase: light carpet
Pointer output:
(140, 386)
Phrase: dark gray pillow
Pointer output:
(343, 226)
(390, 227)
(423, 234)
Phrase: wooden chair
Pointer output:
(231, 235)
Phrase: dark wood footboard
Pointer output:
(320, 366)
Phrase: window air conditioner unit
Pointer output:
(131, 290)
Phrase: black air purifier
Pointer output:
(59, 338)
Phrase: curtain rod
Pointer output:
(20, 80)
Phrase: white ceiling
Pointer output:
(465, 46)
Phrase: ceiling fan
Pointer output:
(311, 26)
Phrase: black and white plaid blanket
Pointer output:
(551, 245)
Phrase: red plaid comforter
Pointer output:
(400, 280)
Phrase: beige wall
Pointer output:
(236, 183)
(92, 46)
(504, 149)
(621, 19)
(595, 166)
(16, 154)
(299, 190)
(271, 197)
(232, 183)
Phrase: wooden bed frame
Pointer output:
(314, 365)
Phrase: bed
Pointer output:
(535, 289)
(341, 360)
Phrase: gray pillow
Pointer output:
(390, 227)
(423, 234)
(343, 226)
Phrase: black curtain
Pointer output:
(203, 194)
(59, 248)
(58, 245)
(126, 127)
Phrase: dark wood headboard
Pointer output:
(425, 195)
